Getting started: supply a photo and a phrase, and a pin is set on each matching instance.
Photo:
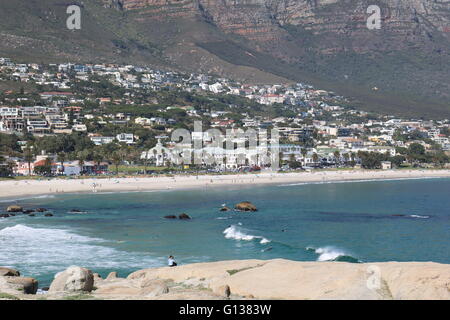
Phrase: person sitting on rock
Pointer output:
(171, 262)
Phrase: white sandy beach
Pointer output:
(19, 188)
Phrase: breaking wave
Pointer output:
(37, 251)
(330, 253)
(418, 216)
(239, 233)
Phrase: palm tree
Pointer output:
(346, 157)
(352, 156)
(146, 162)
(337, 156)
(98, 158)
(304, 152)
(61, 157)
(81, 157)
(315, 157)
(28, 158)
(154, 155)
(116, 159)
(11, 165)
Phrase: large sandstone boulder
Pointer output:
(245, 206)
(222, 290)
(112, 275)
(19, 284)
(153, 288)
(73, 279)
(9, 272)
(14, 208)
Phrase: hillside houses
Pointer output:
(74, 98)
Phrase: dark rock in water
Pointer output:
(347, 259)
(41, 210)
(225, 209)
(14, 208)
(48, 215)
(9, 272)
(28, 211)
(4, 215)
(31, 215)
(398, 215)
(170, 217)
(12, 214)
(184, 216)
(245, 206)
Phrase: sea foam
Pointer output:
(36, 251)
(239, 233)
(330, 253)
(418, 216)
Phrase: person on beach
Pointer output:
(171, 262)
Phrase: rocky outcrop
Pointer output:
(120, 288)
(222, 290)
(245, 206)
(259, 279)
(184, 216)
(23, 284)
(9, 272)
(285, 279)
(18, 285)
(112, 276)
(14, 208)
(73, 279)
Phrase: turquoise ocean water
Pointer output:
(398, 220)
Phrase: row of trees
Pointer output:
(415, 154)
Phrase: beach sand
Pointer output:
(19, 188)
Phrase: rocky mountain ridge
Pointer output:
(322, 42)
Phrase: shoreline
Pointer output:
(26, 188)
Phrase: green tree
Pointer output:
(315, 157)
(397, 160)
(98, 157)
(337, 156)
(116, 159)
(61, 157)
(81, 157)
(28, 157)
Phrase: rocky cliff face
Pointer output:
(263, 20)
(320, 40)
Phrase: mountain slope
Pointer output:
(324, 42)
